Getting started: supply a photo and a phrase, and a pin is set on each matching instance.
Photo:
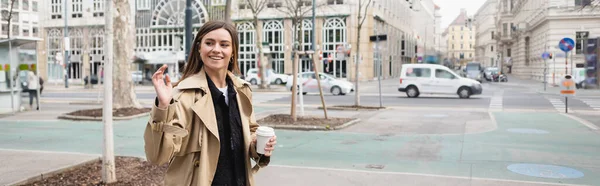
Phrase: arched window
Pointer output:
(171, 13)
(334, 35)
(167, 23)
(305, 32)
(96, 49)
(76, 37)
(55, 69)
(247, 52)
(273, 32)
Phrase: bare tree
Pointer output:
(362, 15)
(296, 10)
(8, 16)
(123, 90)
(256, 7)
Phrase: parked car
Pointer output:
(488, 72)
(474, 71)
(137, 77)
(94, 79)
(328, 83)
(274, 78)
(417, 79)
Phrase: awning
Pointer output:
(18, 41)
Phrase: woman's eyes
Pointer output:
(222, 45)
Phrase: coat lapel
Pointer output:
(203, 107)
(245, 111)
(206, 112)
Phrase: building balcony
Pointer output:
(504, 38)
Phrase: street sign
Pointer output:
(545, 55)
(567, 86)
(378, 37)
(566, 44)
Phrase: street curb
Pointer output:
(307, 128)
(353, 109)
(52, 173)
(87, 118)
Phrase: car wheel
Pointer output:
(278, 81)
(253, 82)
(412, 92)
(464, 92)
(336, 91)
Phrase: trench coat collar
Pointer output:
(204, 108)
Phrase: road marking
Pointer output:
(594, 103)
(582, 121)
(559, 105)
(496, 102)
(416, 174)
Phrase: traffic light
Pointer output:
(550, 56)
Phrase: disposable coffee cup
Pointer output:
(263, 135)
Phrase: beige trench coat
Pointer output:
(186, 136)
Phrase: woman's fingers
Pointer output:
(168, 81)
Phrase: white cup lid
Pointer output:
(265, 131)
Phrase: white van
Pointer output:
(417, 79)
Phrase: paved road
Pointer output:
(514, 95)
(435, 147)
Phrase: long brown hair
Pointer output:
(195, 63)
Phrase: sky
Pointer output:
(451, 8)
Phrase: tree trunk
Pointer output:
(228, 10)
(356, 66)
(294, 86)
(123, 90)
(261, 56)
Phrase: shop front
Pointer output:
(21, 57)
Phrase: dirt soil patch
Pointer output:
(130, 171)
(122, 112)
(286, 119)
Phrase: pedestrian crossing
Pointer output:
(559, 104)
(496, 101)
(593, 103)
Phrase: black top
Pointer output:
(231, 168)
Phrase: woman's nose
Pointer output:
(217, 49)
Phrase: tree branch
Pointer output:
(365, 13)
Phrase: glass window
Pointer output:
(247, 52)
(25, 4)
(418, 72)
(273, 34)
(440, 73)
(34, 6)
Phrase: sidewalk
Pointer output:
(97, 88)
(18, 166)
(146, 88)
(550, 89)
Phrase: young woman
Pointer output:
(204, 126)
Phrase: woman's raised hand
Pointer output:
(163, 89)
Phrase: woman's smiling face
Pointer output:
(216, 50)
